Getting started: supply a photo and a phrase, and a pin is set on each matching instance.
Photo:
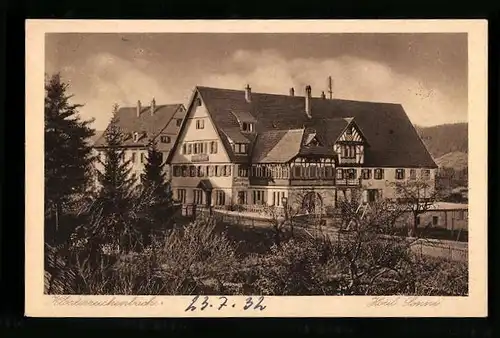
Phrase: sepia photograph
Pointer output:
(257, 164)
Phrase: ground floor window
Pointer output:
(258, 197)
(242, 197)
(198, 196)
(181, 195)
(220, 197)
(435, 220)
(278, 198)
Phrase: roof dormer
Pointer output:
(246, 121)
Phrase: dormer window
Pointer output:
(165, 139)
(247, 127)
(240, 148)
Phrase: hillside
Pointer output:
(445, 138)
(456, 160)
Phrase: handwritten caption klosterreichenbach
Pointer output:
(113, 301)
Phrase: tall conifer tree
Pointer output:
(156, 188)
(68, 153)
(115, 225)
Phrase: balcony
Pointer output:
(348, 182)
(347, 160)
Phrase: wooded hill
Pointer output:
(445, 138)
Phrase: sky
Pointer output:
(426, 73)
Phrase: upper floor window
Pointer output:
(426, 174)
(132, 158)
(178, 122)
(348, 151)
(165, 139)
(379, 174)
(242, 171)
(247, 126)
(200, 124)
(400, 174)
(213, 147)
(340, 174)
(366, 174)
(350, 174)
(192, 171)
(143, 157)
(177, 171)
(184, 170)
(413, 174)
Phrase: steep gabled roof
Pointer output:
(148, 125)
(393, 140)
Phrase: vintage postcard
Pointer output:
(256, 168)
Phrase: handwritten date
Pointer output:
(220, 302)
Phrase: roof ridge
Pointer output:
(156, 105)
(314, 98)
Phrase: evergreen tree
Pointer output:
(68, 154)
(115, 180)
(156, 189)
(114, 222)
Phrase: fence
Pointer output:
(456, 251)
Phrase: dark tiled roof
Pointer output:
(317, 150)
(277, 146)
(393, 141)
(147, 125)
(243, 116)
(235, 135)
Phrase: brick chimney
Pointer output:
(248, 94)
(308, 101)
(292, 92)
(153, 106)
(139, 108)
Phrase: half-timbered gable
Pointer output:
(350, 145)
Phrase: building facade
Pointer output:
(140, 125)
(238, 148)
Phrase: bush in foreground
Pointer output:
(198, 259)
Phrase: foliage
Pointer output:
(418, 196)
(68, 156)
(193, 260)
(153, 182)
(113, 215)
